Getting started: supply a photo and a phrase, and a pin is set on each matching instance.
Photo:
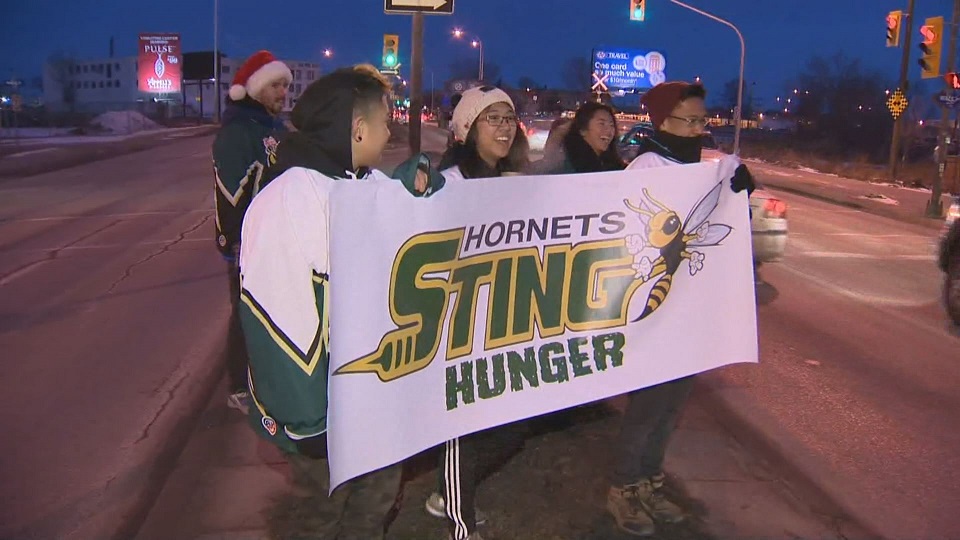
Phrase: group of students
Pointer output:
(341, 126)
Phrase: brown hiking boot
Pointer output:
(650, 496)
(623, 503)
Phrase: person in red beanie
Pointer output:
(244, 147)
(636, 500)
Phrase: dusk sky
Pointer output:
(535, 40)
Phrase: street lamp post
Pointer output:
(743, 54)
(476, 43)
(479, 44)
(216, 60)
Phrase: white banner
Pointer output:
(506, 298)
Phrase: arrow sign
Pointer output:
(599, 82)
(437, 7)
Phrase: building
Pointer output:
(100, 85)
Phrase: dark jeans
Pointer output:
(236, 350)
(357, 510)
(468, 459)
(648, 422)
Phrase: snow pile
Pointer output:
(124, 122)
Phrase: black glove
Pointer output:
(313, 447)
(742, 180)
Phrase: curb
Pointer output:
(139, 143)
(127, 499)
(751, 436)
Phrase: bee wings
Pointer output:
(698, 216)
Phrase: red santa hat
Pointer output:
(261, 69)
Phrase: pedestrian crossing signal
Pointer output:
(391, 44)
(953, 80)
(894, 18)
(638, 10)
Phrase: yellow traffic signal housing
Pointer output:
(894, 20)
(638, 10)
(391, 51)
(932, 32)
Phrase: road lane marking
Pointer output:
(95, 216)
(861, 256)
(105, 246)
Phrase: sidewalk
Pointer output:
(905, 204)
(230, 484)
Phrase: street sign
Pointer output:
(949, 98)
(430, 7)
(897, 104)
(630, 69)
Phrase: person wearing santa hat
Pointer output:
(244, 147)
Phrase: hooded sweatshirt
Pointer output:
(243, 150)
(284, 269)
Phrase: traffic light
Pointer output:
(932, 32)
(391, 48)
(953, 80)
(638, 10)
(894, 18)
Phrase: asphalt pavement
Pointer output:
(114, 309)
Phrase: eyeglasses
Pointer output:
(499, 119)
(700, 121)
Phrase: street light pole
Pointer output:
(216, 61)
(480, 46)
(743, 54)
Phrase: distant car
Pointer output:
(950, 261)
(768, 214)
(536, 130)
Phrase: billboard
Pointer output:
(158, 63)
(627, 69)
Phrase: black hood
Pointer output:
(250, 109)
(323, 117)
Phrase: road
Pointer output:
(857, 385)
(114, 302)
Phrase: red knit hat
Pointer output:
(662, 99)
(261, 69)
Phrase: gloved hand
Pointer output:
(418, 177)
(742, 180)
(313, 447)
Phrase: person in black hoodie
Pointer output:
(243, 148)
(342, 128)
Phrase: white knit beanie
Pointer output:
(473, 102)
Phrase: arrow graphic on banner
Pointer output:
(600, 82)
(433, 4)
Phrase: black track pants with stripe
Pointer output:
(465, 461)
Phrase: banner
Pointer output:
(501, 299)
(158, 63)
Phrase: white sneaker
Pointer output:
(437, 507)
(240, 401)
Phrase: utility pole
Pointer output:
(904, 86)
(416, 83)
(216, 62)
(935, 206)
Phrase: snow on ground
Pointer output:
(124, 122)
